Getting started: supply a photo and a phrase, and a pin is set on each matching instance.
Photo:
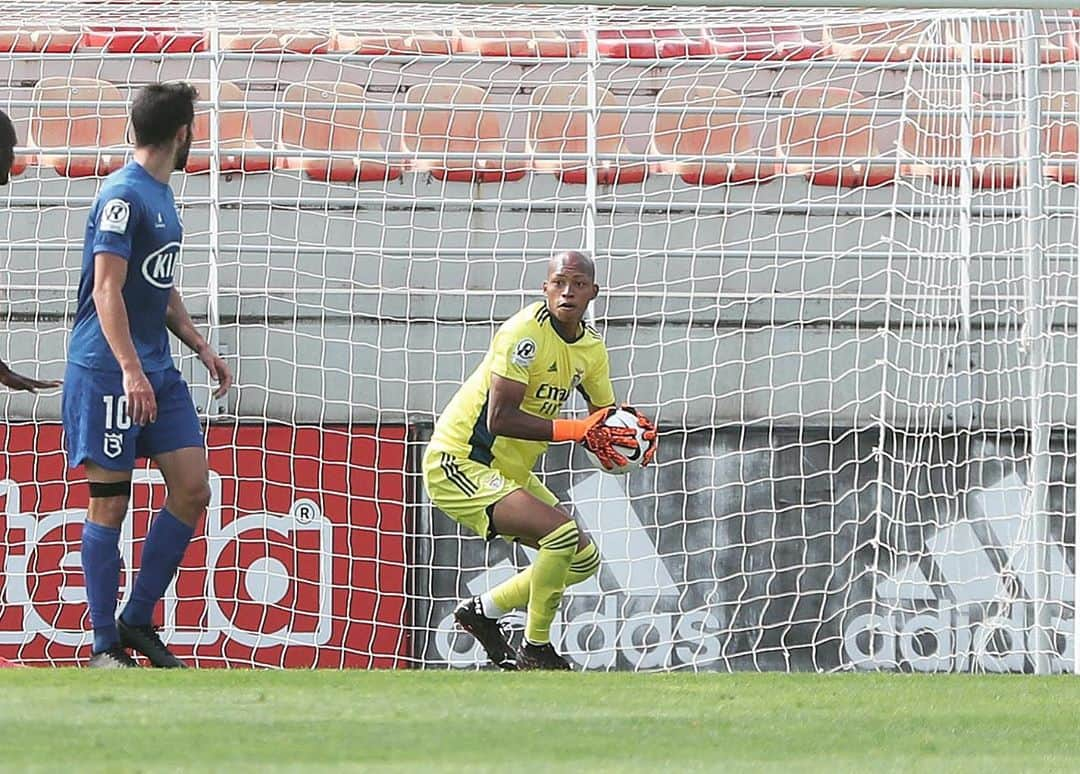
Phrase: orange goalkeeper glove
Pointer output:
(649, 435)
(598, 438)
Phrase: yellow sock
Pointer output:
(548, 580)
(514, 592)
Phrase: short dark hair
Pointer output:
(160, 109)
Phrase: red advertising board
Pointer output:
(300, 561)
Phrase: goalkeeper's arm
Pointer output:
(505, 418)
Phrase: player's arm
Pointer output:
(183, 327)
(110, 273)
(506, 418)
(15, 381)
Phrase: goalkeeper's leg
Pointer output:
(513, 593)
(523, 516)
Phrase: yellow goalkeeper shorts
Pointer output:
(467, 491)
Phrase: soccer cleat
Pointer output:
(531, 657)
(470, 617)
(113, 658)
(145, 640)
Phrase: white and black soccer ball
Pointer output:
(624, 418)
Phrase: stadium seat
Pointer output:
(15, 40)
(927, 139)
(345, 127)
(464, 128)
(555, 130)
(234, 133)
(999, 41)
(704, 134)
(1060, 138)
(376, 42)
(753, 43)
(891, 41)
(305, 42)
(644, 43)
(143, 40)
(54, 128)
(56, 41)
(519, 43)
(812, 132)
(263, 40)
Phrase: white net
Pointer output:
(837, 253)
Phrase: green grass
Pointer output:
(69, 720)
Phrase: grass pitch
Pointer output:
(69, 720)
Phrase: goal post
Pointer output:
(837, 252)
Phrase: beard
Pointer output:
(182, 154)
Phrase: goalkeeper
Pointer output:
(478, 466)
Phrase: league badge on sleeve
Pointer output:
(524, 353)
(114, 216)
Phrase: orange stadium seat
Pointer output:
(1061, 138)
(891, 41)
(754, 43)
(376, 42)
(260, 40)
(704, 134)
(54, 128)
(644, 43)
(347, 126)
(519, 43)
(929, 138)
(56, 41)
(999, 41)
(464, 128)
(235, 133)
(15, 40)
(555, 130)
(812, 132)
(144, 40)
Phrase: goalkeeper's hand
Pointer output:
(597, 437)
(649, 434)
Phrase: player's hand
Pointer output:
(142, 405)
(15, 381)
(649, 435)
(218, 368)
(602, 440)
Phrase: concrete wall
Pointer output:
(776, 303)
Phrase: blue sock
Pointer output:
(164, 548)
(101, 569)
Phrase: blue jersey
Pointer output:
(134, 216)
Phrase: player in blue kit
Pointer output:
(123, 396)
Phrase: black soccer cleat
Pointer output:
(113, 658)
(544, 657)
(470, 617)
(145, 640)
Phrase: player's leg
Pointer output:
(513, 593)
(521, 515)
(99, 435)
(175, 444)
(465, 490)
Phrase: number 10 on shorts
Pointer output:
(116, 413)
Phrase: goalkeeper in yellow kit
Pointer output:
(478, 466)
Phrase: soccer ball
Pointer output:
(624, 418)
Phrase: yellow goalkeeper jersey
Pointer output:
(528, 349)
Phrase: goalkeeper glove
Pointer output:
(597, 437)
(649, 434)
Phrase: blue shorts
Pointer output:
(97, 427)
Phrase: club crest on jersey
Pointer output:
(495, 482)
(576, 380)
(113, 445)
(159, 266)
(524, 352)
(115, 215)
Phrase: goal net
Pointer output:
(837, 252)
